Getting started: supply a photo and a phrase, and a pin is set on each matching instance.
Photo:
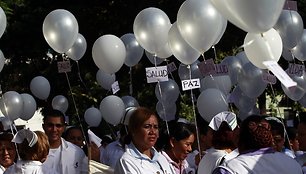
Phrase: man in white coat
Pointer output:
(64, 157)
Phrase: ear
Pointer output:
(172, 141)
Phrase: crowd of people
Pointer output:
(225, 145)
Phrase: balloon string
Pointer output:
(215, 52)
(163, 106)
(194, 115)
(76, 109)
(131, 82)
(282, 121)
(154, 56)
(203, 56)
(79, 74)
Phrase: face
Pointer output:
(302, 136)
(7, 153)
(295, 145)
(146, 136)
(182, 148)
(75, 136)
(54, 128)
(279, 142)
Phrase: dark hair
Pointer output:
(223, 137)
(202, 126)
(38, 152)
(68, 130)
(291, 132)
(52, 113)
(255, 133)
(178, 131)
(138, 117)
(6, 136)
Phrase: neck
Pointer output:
(171, 154)
(55, 144)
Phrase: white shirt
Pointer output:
(264, 160)
(134, 162)
(212, 159)
(26, 167)
(112, 153)
(72, 160)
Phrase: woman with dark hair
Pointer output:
(256, 152)
(140, 155)
(178, 145)
(7, 151)
(225, 134)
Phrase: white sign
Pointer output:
(115, 87)
(191, 84)
(155, 74)
(281, 75)
(63, 66)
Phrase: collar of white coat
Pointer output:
(135, 152)
(64, 144)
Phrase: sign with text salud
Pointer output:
(280, 74)
(191, 84)
(155, 74)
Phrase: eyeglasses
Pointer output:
(49, 125)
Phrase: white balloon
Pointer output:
(93, 117)
(199, 22)
(60, 29)
(297, 92)
(153, 59)
(223, 83)
(109, 53)
(299, 51)
(134, 51)
(78, 49)
(129, 101)
(211, 102)
(263, 47)
(105, 80)
(164, 52)
(112, 109)
(184, 71)
(2, 21)
(11, 105)
(234, 67)
(249, 15)
(287, 54)
(290, 27)
(29, 106)
(40, 87)
(166, 112)
(168, 91)
(151, 27)
(180, 48)
(60, 103)
(2, 60)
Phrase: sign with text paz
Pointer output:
(155, 74)
(63, 66)
(191, 84)
(280, 74)
(115, 87)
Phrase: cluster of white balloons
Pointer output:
(2, 29)
(61, 31)
(112, 109)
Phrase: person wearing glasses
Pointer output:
(140, 156)
(64, 157)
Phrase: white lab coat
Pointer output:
(262, 161)
(112, 153)
(72, 159)
(134, 162)
(25, 167)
